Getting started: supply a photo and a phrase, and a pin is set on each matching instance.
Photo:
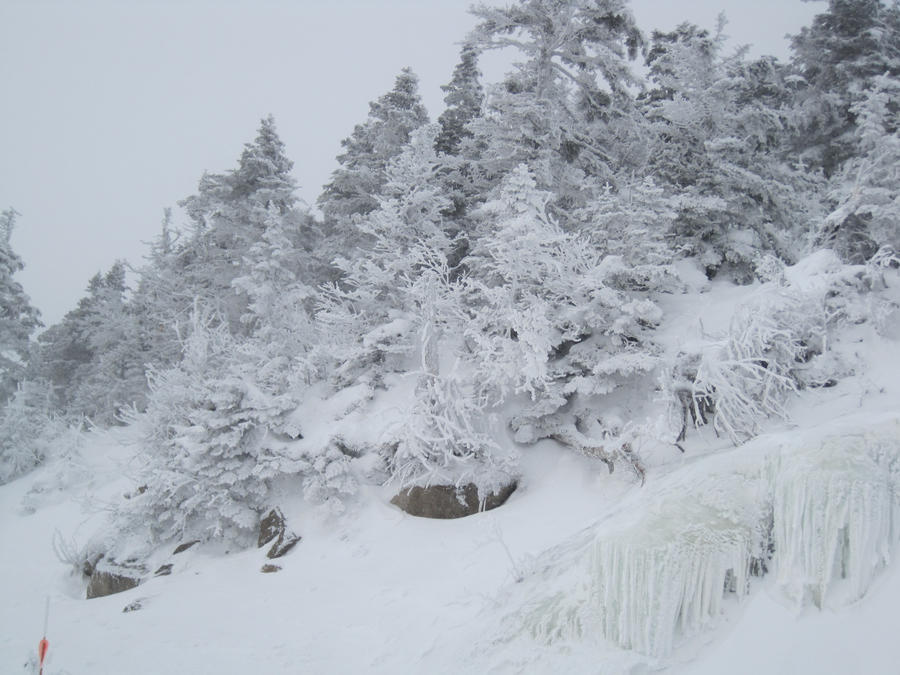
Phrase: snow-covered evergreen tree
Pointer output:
(718, 142)
(280, 304)
(160, 302)
(570, 86)
(369, 316)
(463, 98)
(230, 214)
(355, 186)
(554, 320)
(866, 189)
(400, 308)
(93, 357)
(210, 438)
(835, 58)
(18, 318)
(28, 428)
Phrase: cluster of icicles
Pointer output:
(823, 519)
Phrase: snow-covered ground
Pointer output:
(577, 560)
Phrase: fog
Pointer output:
(114, 110)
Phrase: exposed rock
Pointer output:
(181, 548)
(134, 606)
(271, 527)
(107, 583)
(285, 542)
(449, 501)
(163, 571)
(139, 491)
(268, 569)
(274, 528)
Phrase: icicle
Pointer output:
(647, 578)
(661, 577)
(667, 576)
(836, 517)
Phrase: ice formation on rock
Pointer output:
(659, 572)
(669, 575)
(665, 574)
(836, 516)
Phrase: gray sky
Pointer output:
(113, 110)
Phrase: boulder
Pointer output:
(110, 576)
(449, 501)
(269, 569)
(107, 583)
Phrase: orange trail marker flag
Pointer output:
(44, 645)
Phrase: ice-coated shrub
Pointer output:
(776, 344)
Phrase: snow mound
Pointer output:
(836, 516)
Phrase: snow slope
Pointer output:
(578, 565)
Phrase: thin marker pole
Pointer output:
(44, 645)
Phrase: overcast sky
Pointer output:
(113, 110)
